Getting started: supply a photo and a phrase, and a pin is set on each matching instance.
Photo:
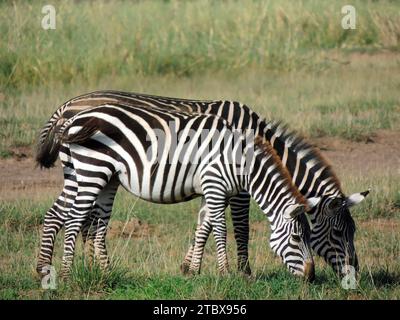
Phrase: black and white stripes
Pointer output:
(309, 171)
(109, 143)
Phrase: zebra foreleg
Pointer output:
(218, 223)
(216, 200)
(240, 205)
(201, 236)
(185, 266)
(88, 235)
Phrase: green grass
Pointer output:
(96, 40)
(355, 120)
(286, 60)
(351, 101)
(146, 266)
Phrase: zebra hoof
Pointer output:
(192, 272)
(185, 268)
(246, 271)
(44, 270)
(224, 272)
(65, 275)
(246, 276)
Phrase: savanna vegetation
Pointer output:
(287, 60)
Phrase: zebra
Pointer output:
(106, 145)
(332, 235)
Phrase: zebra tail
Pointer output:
(89, 127)
(47, 150)
(48, 145)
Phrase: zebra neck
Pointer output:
(310, 172)
(270, 188)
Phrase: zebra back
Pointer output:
(310, 171)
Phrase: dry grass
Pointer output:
(350, 101)
(147, 264)
(286, 60)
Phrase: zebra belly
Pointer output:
(154, 187)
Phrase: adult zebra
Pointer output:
(332, 236)
(110, 144)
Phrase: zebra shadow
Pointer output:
(381, 278)
(284, 275)
(377, 278)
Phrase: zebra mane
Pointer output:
(297, 143)
(266, 148)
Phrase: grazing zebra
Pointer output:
(110, 144)
(333, 227)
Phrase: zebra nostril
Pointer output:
(355, 263)
(309, 271)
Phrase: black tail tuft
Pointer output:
(47, 150)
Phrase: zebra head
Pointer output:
(290, 240)
(333, 229)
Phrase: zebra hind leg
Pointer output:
(81, 209)
(99, 242)
(93, 236)
(54, 220)
(218, 224)
(102, 212)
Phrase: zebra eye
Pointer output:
(337, 231)
(296, 237)
(335, 205)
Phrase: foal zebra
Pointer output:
(109, 145)
(333, 227)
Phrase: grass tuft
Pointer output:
(92, 279)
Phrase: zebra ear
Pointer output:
(293, 211)
(312, 202)
(356, 198)
(335, 204)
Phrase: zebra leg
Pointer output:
(94, 228)
(55, 218)
(215, 221)
(218, 224)
(101, 216)
(86, 196)
(192, 260)
(93, 236)
(188, 257)
(201, 236)
(240, 205)
(88, 239)
(184, 267)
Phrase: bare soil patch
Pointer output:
(133, 228)
(20, 179)
(380, 152)
(381, 225)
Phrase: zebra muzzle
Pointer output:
(309, 271)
